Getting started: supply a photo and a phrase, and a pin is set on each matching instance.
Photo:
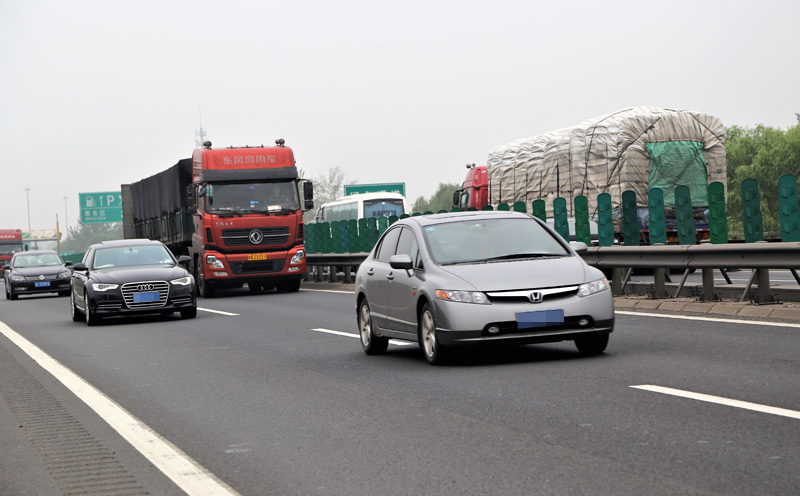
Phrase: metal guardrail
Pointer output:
(761, 257)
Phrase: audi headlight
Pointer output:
(214, 262)
(298, 257)
(17, 278)
(99, 286)
(463, 296)
(593, 287)
(183, 281)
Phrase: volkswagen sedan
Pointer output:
(475, 278)
(36, 272)
(129, 277)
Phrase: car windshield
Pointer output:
(245, 198)
(132, 255)
(37, 260)
(484, 240)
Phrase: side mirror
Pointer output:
(308, 195)
(191, 200)
(579, 247)
(402, 261)
(6, 267)
(68, 263)
(79, 267)
(201, 191)
(184, 261)
(456, 197)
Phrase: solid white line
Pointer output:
(189, 475)
(709, 319)
(217, 311)
(327, 291)
(351, 335)
(722, 401)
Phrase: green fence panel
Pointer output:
(487, 207)
(344, 233)
(405, 216)
(630, 221)
(416, 214)
(605, 220)
(503, 207)
(324, 237)
(583, 232)
(310, 241)
(717, 218)
(519, 207)
(352, 234)
(455, 209)
(751, 212)
(472, 209)
(687, 234)
(428, 212)
(539, 209)
(383, 224)
(363, 236)
(442, 211)
(657, 222)
(336, 237)
(790, 217)
(560, 217)
(372, 233)
(392, 219)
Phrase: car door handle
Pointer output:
(370, 272)
(390, 276)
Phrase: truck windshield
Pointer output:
(252, 197)
(8, 248)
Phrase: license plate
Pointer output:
(145, 297)
(42, 284)
(257, 256)
(542, 318)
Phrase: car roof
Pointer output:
(35, 252)
(433, 219)
(126, 242)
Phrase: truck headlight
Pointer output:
(214, 262)
(593, 287)
(298, 257)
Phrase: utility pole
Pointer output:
(66, 216)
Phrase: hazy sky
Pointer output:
(94, 94)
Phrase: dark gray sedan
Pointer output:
(474, 278)
(35, 272)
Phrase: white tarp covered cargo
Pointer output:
(633, 149)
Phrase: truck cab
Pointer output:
(474, 191)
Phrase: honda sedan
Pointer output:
(129, 277)
(475, 278)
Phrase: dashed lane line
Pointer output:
(351, 335)
(218, 311)
(189, 475)
(721, 401)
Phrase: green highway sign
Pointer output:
(99, 208)
(354, 189)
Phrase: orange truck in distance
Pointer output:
(237, 212)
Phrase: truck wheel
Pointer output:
(291, 286)
(204, 289)
(254, 287)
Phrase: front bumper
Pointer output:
(238, 268)
(111, 303)
(29, 287)
(466, 324)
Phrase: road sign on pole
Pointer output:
(353, 189)
(99, 208)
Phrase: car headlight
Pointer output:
(463, 296)
(17, 278)
(99, 286)
(183, 281)
(64, 275)
(298, 257)
(214, 262)
(593, 287)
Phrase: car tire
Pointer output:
(592, 344)
(8, 295)
(76, 314)
(91, 318)
(11, 295)
(370, 343)
(434, 352)
(63, 293)
(189, 313)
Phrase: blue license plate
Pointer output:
(42, 284)
(145, 297)
(542, 318)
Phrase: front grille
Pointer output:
(241, 237)
(266, 266)
(510, 327)
(131, 288)
(547, 294)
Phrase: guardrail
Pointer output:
(621, 260)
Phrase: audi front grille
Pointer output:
(143, 292)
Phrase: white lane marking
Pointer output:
(327, 291)
(217, 311)
(721, 401)
(351, 335)
(189, 475)
(709, 319)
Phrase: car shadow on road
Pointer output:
(500, 354)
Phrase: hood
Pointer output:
(121, 275)
(521, 274)
(46, 270)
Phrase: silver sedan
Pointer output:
(474, 278)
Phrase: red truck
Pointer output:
(237, 212)
(10, 243)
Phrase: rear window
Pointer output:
(383, 208)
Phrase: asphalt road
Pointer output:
(269, 401)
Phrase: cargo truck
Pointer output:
(236, 212)
(635, 149)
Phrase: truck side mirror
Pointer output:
(308, 195)
(191, 200)
(456, 196)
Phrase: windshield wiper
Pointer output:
(465, 262)
(527, 255)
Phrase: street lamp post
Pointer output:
(66, 216)
(28, 196)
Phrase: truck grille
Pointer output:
(133, 288)
(270, 235)
(257, 267)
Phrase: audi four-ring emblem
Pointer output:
(256, 236)
(145, 287)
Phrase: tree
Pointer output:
(764, 154)
(327, 187)
(442, 199)
(81, 237)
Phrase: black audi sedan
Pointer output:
(35, 272)
(129, 277)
